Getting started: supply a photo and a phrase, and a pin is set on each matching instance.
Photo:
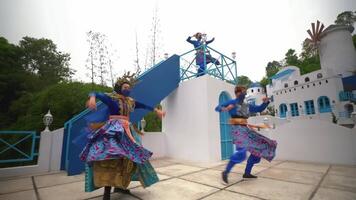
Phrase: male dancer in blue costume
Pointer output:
(245, 137)
(200, 53)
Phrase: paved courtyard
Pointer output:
(191, 181)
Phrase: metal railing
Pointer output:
(347, 96)
(224, 68)
(17, 146)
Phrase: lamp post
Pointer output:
(143, 124)
(233, 55)
(47, 120)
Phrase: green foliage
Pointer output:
(41, 57)
(346, 18)
(26, 69)
(244, 80)
(65, 100)
(272, 68)
(153, 123)
(291, 58)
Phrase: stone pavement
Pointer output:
(192, 181)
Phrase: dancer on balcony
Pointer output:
(201, 51)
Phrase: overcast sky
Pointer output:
(257, 30)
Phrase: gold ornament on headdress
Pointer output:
(129, 78)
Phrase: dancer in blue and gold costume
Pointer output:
(245, 137)
(113, 155)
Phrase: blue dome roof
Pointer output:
(256, 84)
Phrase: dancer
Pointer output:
(244, 135)
(113, 155)
(201, 39)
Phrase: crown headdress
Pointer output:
(128, 77)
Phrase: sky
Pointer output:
(258, 31)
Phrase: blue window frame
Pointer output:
(294, 109)
(309, 107)
(324, 104)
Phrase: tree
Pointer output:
(291, 58)
(346, 18)
(99, 61)
(272, 68)
(41, 57)
(65, 100)
(155, 37)
(244, 80)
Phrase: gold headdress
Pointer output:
(128, 78)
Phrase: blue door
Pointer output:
(282, 110)
(227, 148)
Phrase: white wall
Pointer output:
(316, 141)
(191, 125)
(155, 142)
(337, 51)
(298, 95)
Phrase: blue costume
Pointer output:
(109, 151)
(200, 55)
(247, 139)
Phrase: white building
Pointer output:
(318, 94)
(255, 94)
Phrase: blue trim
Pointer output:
(225, 129)
(227, 69)
(282, 74)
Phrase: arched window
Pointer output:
(319, 75)
(251, 90)
(307, 79)
(285, 85)
(295, 82)
(326, 81)
(324, 104)
(258, 90)
(282, 110)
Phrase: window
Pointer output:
(319, 75)
(324, 104)
(251, 91)
(295, 89)
(307, 79)
(307, 86)
(282, 110)
(285, 85)
(302, 87)
(258, 90)
(326, 81)
(290, 90)
(309, 107)
(295, 82)
(294, 109)
(313, 84)
(319, 82)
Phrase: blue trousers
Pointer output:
(238, 157)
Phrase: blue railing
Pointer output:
(17, 146)
(345, 114)
(226, 69)
(347, 96)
